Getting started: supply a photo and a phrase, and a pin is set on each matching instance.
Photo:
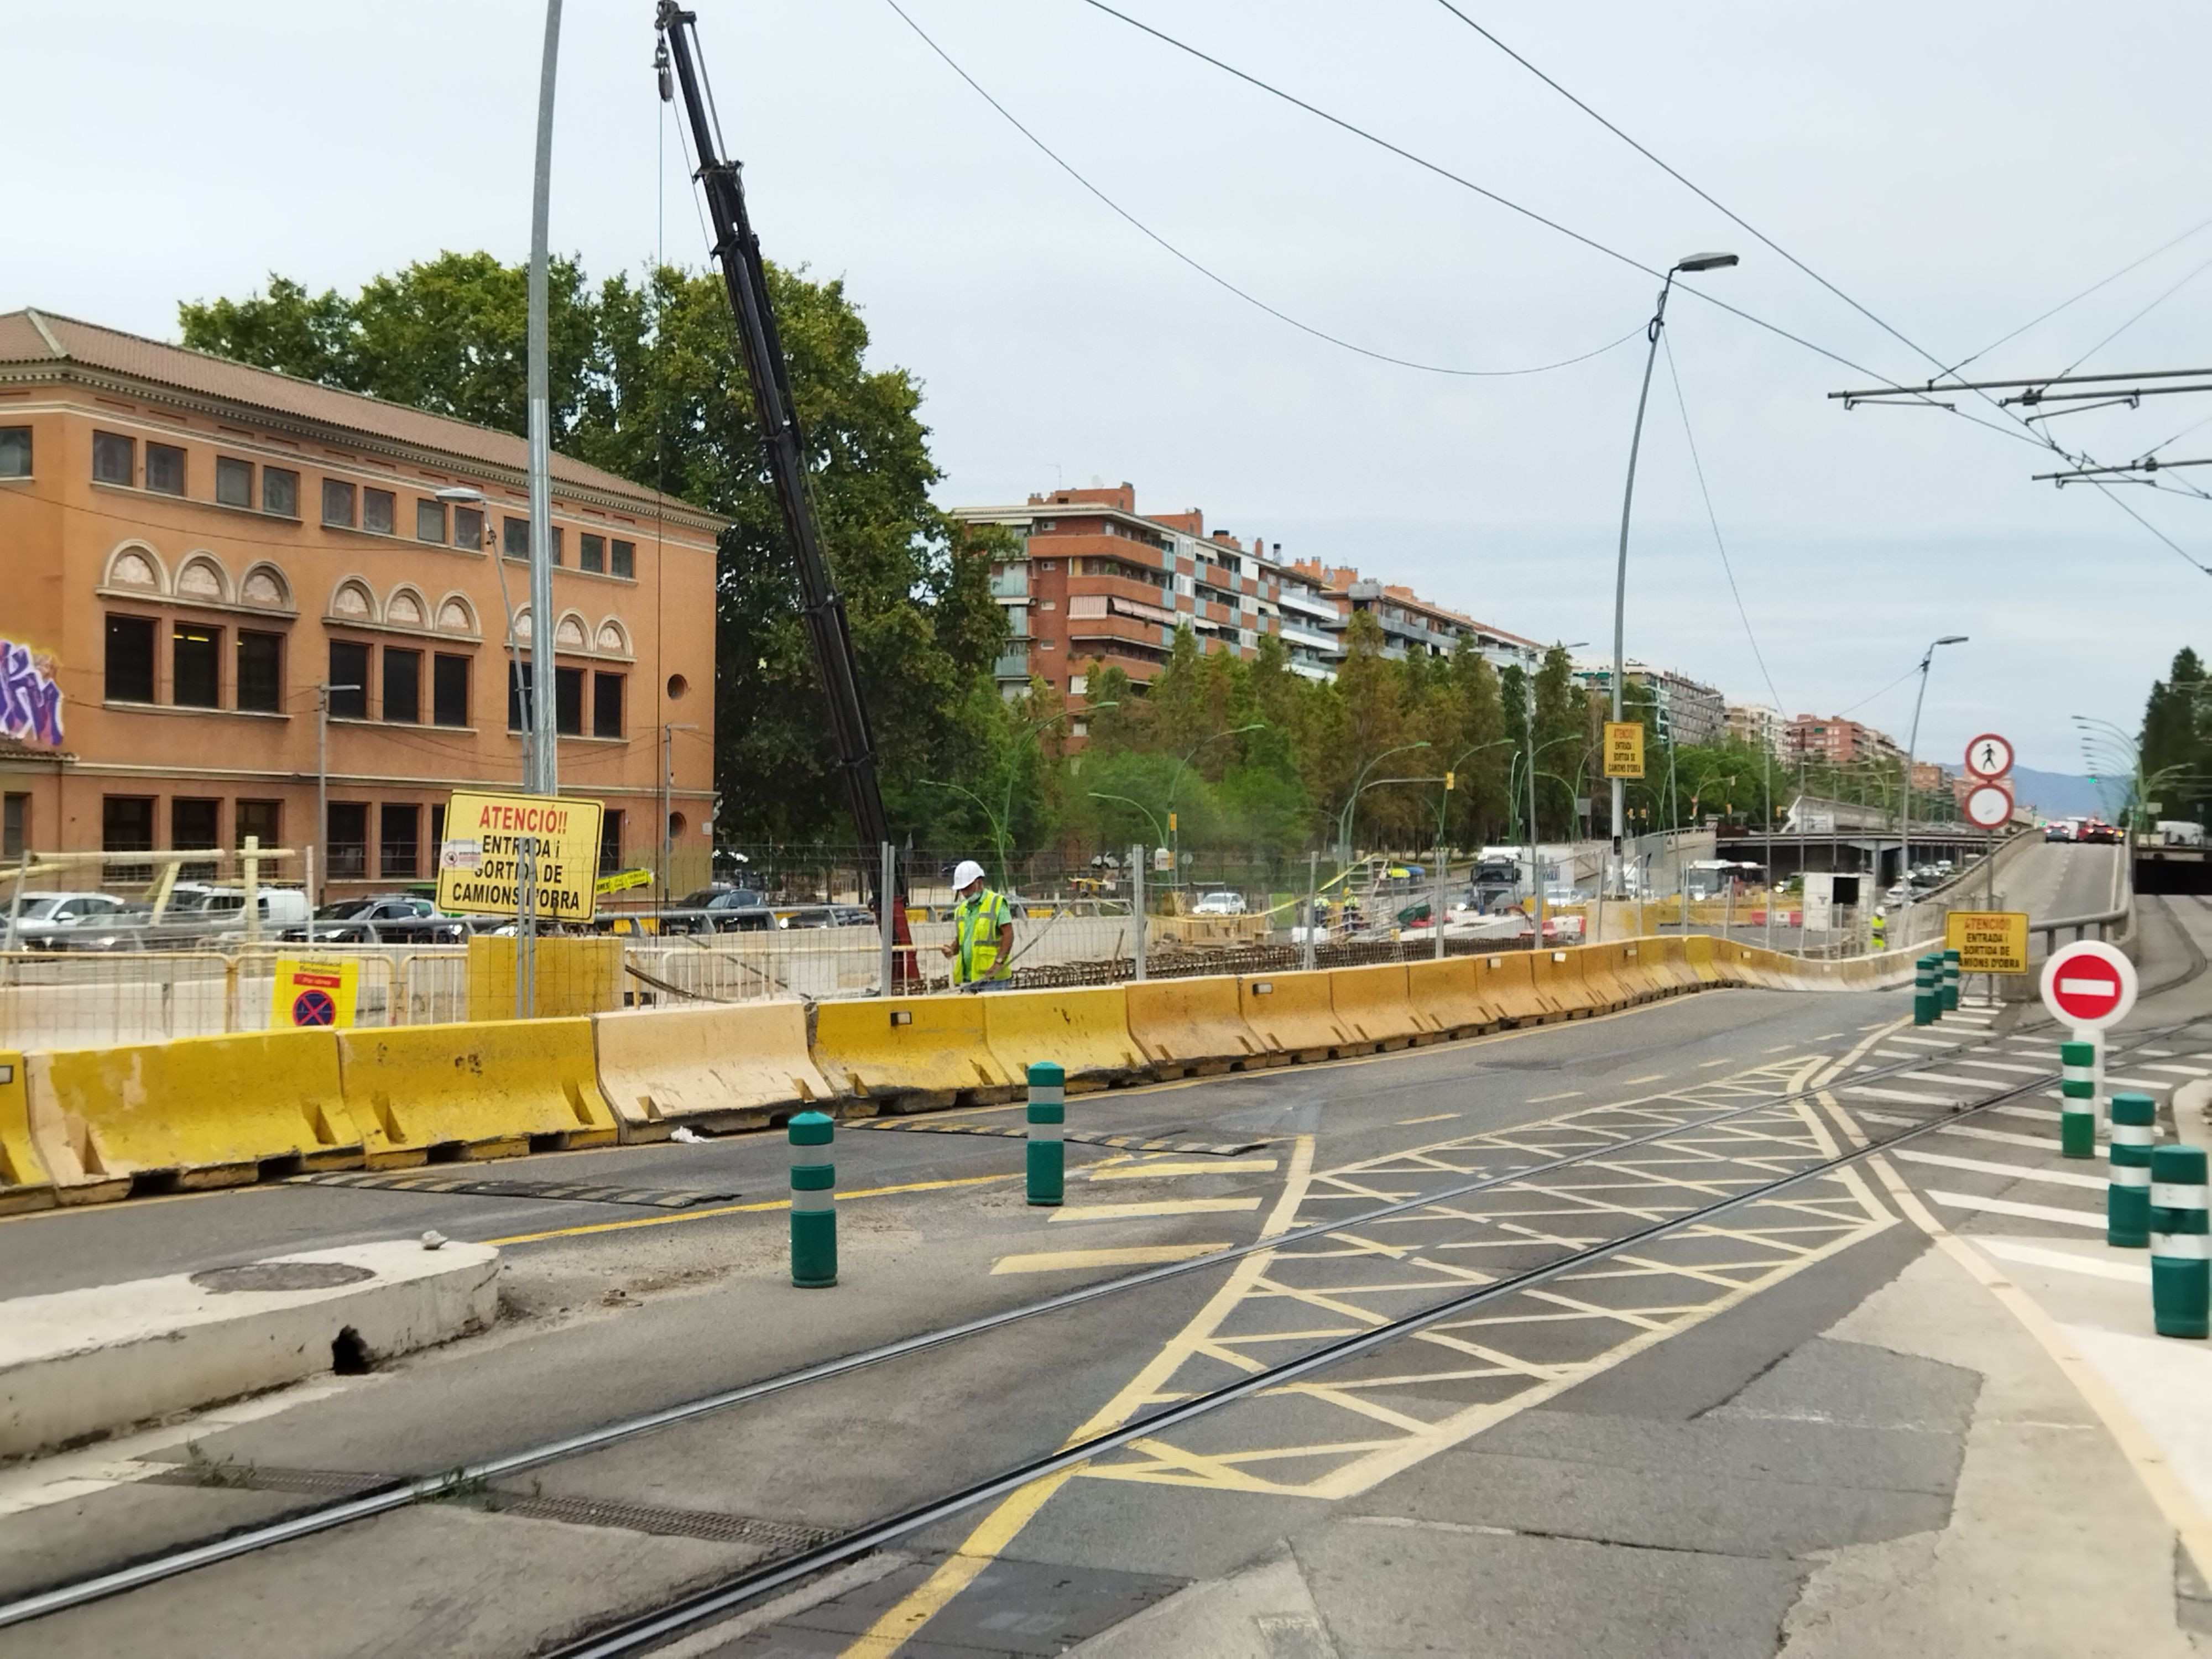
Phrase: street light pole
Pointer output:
(545, 769)
(322, 873)
(1695, 261)
(1905, 811)
(1175, 834)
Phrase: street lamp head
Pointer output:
(460, 494)
(1952, 639)
(1705, 262)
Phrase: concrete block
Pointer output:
(76, 1364)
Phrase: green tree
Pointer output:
(2175, 740)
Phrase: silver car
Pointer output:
(45, 918)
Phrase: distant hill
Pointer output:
(2057, 794)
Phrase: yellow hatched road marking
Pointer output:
(1053, 1261)
(1165, 1207)
(1214, 1166)
(744, 1209)
(1433, 1117)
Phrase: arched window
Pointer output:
(202, 577)
(613, 642)
(135, 566)
(456, 615)
(351, 601)
(265, 584)
(404, 609)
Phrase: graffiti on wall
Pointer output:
(30, 699)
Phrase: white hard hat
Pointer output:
(967, 871)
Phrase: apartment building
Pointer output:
(1094, 578)
(1685, 711)
(201, 554)
(1836, 741)
(1755, 724)
(1409, 622)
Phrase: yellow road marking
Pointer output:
(1434, 1117)
(1053, 1261)
(746, 1209)
(1211, 1166)
(1725, 1060)
(1165, 1207)
(1000, 1528)
(1540, 1100)
(1631, 1082)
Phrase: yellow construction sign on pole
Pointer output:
(311, 994)
(1624, 749)
(479, 860)
(1988, 941)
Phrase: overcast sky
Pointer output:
(1956, 170)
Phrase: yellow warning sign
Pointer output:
(487, 839)
(309, 993)
(1624, 749)
(1988, 941)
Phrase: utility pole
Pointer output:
(1911, 743)
(322, 793)
(668, 730)
(545, 748)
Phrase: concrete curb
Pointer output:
(77, 1364)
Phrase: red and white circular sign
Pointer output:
(2089, 985)
(1987, 806)
(1989, 756)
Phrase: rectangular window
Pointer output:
(165, 469)
(376, 511)
(625, 562)
(114, 458)
(469, 528)
(195, 666)
(195, 823)
(606, 705)
(280, 492)
(590, 552)
(568, 701)
(14, 452)
(126, 825)
(402, 685)
(14, 825)
(129, 659)
(233, 481)
(437, 828)
(261, 673)
(397, 851)
(430, 522)
(518, 694)
(556, 554)
(610, 828)
(514, 537)
(338, 503)
(449, 691)
(262, 819)
(348, 680)
(345, 841)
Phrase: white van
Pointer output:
(278, 907)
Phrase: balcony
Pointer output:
(1012, 583)
(1012, 665)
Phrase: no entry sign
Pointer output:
(1988, 806)
(2089, 985)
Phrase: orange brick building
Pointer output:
(195, 549)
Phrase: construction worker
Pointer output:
(982, 931)
(1877, 931)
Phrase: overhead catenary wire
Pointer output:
(1207, 272)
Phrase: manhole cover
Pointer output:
(282, 1276)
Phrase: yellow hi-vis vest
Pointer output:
(976, 922)
(1878, 932)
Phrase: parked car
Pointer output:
(825, 915)
(46, 917)
(718, 909)
(382, 919)
(1220, 904)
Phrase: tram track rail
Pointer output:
(640, 1633)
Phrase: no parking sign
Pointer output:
(311, 994)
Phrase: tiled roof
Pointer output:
(30, 339)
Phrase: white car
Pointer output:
(1220, 904)
(45, 917)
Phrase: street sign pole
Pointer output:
(2090, 986)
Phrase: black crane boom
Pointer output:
(738, 252)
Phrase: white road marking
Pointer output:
(2024, 1212)
(1902, 1096)
(2186, 1071)
(1212, 1166)
(2004, 1066)
(1165, 1207)
(2012, 1250)
(1538, 1100)
(2010, 1171)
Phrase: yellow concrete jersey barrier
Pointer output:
(1559, 982)
(713, 1065)
(1698, 956)
(1638, 967)
(1445, 1000)
(24, 1183)
(913, 1051)
(1598, 965)
(192, 1112)
(1193, 1026)
(1086, 1033)
(488, 1089)
(1292, 1015)
(1507, 981)
(1661, 956)
(1374, 1004)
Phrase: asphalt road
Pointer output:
(1797, 1430)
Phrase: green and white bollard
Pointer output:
(2127, 1201)
(1048, 1116)
(2077, 1086)
(1927, 1005)
(2180, 1250)
(813, 1204)
(1949, 963)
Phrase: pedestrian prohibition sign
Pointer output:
(311, 994)
(2089, 985)
(1989, 756)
